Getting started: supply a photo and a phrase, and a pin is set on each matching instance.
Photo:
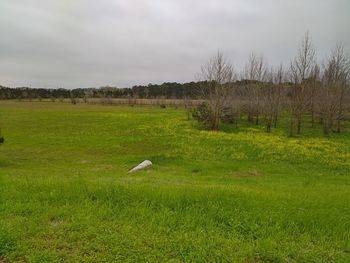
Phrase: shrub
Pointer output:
(202, 114)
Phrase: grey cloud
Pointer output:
(86, 43)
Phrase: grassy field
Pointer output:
(233, 196)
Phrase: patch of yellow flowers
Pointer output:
(248, 144)
(273, 147)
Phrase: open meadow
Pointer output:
(238, 195)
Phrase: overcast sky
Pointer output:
(89, 43)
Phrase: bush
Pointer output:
(2, 140)
(202, 114)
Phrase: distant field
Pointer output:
(233, 196)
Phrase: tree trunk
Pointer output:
(338, 125)
(312, 117)
(299, 124)
(291, 127)
(275, 120)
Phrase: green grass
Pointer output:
(234, 196)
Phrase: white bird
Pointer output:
(142, 165)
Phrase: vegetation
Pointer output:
(166, 90)
(236, 195)
(264, 91)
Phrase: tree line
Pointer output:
(167, 90)
(303, 89)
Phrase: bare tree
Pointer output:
(255, 74)
(216, 78)
(300, 72)
(280, 94)
(271, 97)
(249, 75)
(188, 106)
(335, 88)
(313, 91)
(342, 74)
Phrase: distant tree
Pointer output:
(73, 99)
(300, 71)
(216, 77)
(315, 85)
(271, 95)
(188, 106)
(255, 73)
(335, 90)
(88, 93)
